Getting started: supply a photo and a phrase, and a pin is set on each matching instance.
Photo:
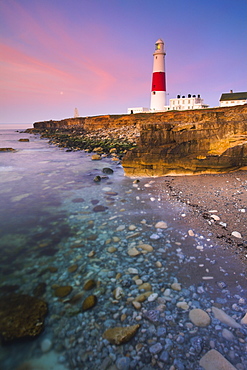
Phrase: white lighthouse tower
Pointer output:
(158, 92)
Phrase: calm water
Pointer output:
(48, 219)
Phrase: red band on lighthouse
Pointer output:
(159, 81)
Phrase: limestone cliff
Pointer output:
(191, 142)
(176, 143)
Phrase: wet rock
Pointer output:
(183, 305)
(161, 225)
(146, 247)
(21, 316)
(96, 157)
(133, 252)
(142, 297)
(176, 286)
(7, 150)
(224, 318)
(90, 284)
(118, 293)
(52, 269)
(72, 268)
(100, 208)
(112, 249)
(152, 297)
(146, 286)
(24, 140)
(107, 171)
(97, 179)
(137, 305)
(63, 291)
(89, 302)
(120, 335)
(214, 360)
(199, 317)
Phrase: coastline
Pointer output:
(224, 193)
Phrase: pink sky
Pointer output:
(58, 55)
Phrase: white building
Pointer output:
(230, 99)
(138, 110)
(185, 103)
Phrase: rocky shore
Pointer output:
(140, 283)
(225, 194)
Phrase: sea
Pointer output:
(66, 220)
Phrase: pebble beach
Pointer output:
(147, 273)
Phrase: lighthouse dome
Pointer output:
(160, 41)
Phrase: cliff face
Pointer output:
(177, 143)
(191, 142)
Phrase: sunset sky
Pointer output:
(97, 55)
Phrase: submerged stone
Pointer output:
(21, 316)
(63, 291)
(120, 335)
(72, 268)
(107, 170)
(89, 302)
(90, 284)
(100, 208)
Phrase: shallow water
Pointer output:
(50, 217)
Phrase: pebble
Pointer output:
(237, 234)
(137, 305)
(133, 252)
(183, 305)
(46, 345)
(155, 348)
(215, 217)
(191, 233)
(199, 317)
(112, 249)
(152, 297)
(132, 271)
(146, 247)
(224, 318)
(161, 225)
(176, 286)
(227, 334)
(120, 228)
(214, 360)
(244, 320)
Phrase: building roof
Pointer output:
(234, 96)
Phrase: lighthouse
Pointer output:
(158, 91)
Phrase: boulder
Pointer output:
(21, 316)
